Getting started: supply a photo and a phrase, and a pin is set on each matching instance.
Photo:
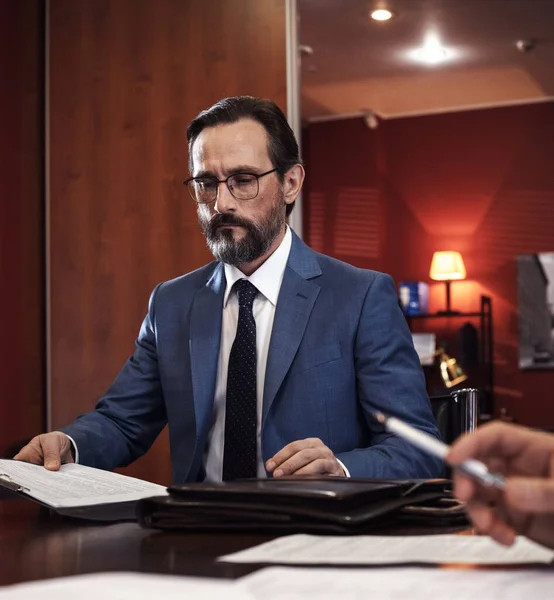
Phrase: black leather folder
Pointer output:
(295, 505)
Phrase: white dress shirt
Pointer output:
(267, 280)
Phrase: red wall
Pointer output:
(481, 182)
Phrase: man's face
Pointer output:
(238, 231)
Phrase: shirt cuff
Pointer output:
(346, 471)
(76, 450)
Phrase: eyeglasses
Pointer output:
(243, 186)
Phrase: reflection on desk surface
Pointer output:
(36, 544)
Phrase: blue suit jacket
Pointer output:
(340, 347)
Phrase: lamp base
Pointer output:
(448, 310)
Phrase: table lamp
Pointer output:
(447, 266)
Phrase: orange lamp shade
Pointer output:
(446, 266)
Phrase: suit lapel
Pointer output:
(205, 337)
(294, 306)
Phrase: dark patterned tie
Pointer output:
(239, 456)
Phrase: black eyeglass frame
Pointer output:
(226, 182)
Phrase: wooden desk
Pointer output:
(35, 543)
(38, 544)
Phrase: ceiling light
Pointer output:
(432, 52)
(381, 14)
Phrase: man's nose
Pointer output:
(225, 201)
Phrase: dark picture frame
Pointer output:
(535, 283)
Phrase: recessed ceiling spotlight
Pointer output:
(432, 52)
(381, 14)
(525, 45)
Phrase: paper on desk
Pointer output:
(374, 549)
(397, 584)
(296, 584)
(125, 586)
(76, 485)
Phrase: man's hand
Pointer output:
(305, 457)
(526, 458)
(48, 449)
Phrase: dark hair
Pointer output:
(282, 145)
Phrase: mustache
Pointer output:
(220, 219)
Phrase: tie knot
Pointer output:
(246, 292)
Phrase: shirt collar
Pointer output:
(268, 277)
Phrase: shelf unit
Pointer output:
(485, 333)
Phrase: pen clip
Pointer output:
(7, 482)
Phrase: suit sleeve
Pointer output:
(129, 417)
(389, 379)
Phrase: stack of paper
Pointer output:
(77, 490)
(381, 550)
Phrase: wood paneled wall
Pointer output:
(22, 383)
(125, 78)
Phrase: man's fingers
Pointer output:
(297, 461)
(304, 457)
(51, 452)
(526, 494)
(30, 453)
(320, 466)
(530, 495)
(48, 449)
(502, 532)
(464, 488)
(481, 515)
(290, 450)
(498, 439)
(488, 521)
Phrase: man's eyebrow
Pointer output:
(244, 169)
(233, 171)
(205, 174)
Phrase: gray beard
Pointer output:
(256, 242)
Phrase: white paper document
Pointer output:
(298, 584)
(398, 584)
(125, 586)
(374, 550)
(75, 485)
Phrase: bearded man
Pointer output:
(269, 361)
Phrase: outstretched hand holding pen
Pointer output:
(504, 473)
(526, 504)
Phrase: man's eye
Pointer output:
(205, 184)
(244, 180)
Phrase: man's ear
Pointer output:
(292, 184)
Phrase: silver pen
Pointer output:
(472, 468)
